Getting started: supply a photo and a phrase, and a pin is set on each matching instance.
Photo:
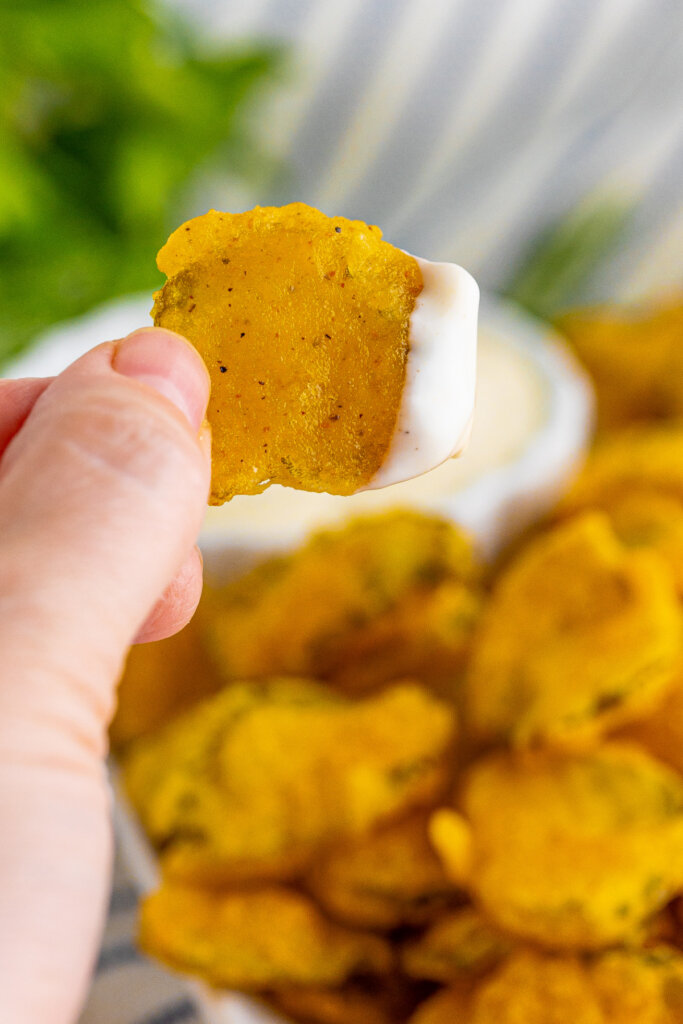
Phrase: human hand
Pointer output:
(104, 474)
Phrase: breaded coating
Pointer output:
(351, 603)
(389, 878)
(643, 458)
(661, 731)
(332, 1006)
(160, 680)
(368, 1000)
(448, 1006)
(535, 989)
(303, 322)
(653, 521)
(634, 358)
(571, 851)
(660, 930)
(618, 987)
(459, 946)
(426, 636)
(640, 987)
(636, 477)
(254, 939)
(580, 636)
(254, 781)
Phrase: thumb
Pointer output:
(102, 493)
(101, 498)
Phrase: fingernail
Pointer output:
(169, 365)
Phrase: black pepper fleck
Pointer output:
(338, 230)
(224, 369)
(225, 259)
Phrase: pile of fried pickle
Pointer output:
(388, 783)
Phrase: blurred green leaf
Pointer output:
(107, 110)
(557, 271)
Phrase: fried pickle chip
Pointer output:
(640, 987)
(303, 322)
(448, 1006)
(351, 602)
(581, 635)
(389, 878)
(160, 680)
(638, 458)
(636, 477)
(459, 946)
(571, 851)
(661, 731)
(333, 1006)
(252, 782)
(426, 636)
(660, 930)
(618, 987)
(653, 521)
(535, 989)
(367, 1000)
(635, 359)
(254, 939)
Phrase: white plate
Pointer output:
(493, 504)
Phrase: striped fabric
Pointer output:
(127, 988)
(463, 127)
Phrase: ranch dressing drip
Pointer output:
(437, 405)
